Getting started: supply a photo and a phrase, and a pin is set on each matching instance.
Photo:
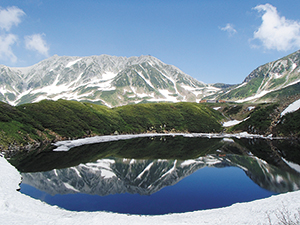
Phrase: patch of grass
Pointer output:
(232, 110)
(16, 127)
(190, 117)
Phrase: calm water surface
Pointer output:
(205, 189)
(134, 176)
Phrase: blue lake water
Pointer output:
(206, 188)
(153, 176)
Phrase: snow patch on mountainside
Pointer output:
(168, 95)
(292, 107)
(202, 91)
(258, 95)
(146, 80)
(3, 91)
(277, 75)
(109, 76)
(72, 63)
(241, 85)
(104, 85)
(233, 122)
(292, 83)
(53, 88)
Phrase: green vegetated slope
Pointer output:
(16, 127)
(289, 125)
(282, 94)
(259, 120)
(256, 118)
(264, 119)
(189, 117)
(243, 91)
(53, 120)
(26, 126)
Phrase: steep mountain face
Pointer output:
(103, 79)
(279, 78)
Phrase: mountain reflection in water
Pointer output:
(267, 163)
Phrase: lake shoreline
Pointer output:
(21, 209)
(15, 148)
(65, 145)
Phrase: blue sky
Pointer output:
(211, 40)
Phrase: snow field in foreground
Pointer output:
(17, 208)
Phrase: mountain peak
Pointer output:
(269, 82)
(104, 79)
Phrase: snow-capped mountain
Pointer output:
(103, 79)
(115, 81)
(280, 78)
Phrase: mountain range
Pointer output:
(115, 81)
(107, 80)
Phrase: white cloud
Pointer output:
(6, 41)
(277, 32)
(9, 17)
(229, 28)
(36, 42)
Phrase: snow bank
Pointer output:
(67, 145)
(17, 208)
(251, 108)
(233, 122)
(257, 95)
(292, 107)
